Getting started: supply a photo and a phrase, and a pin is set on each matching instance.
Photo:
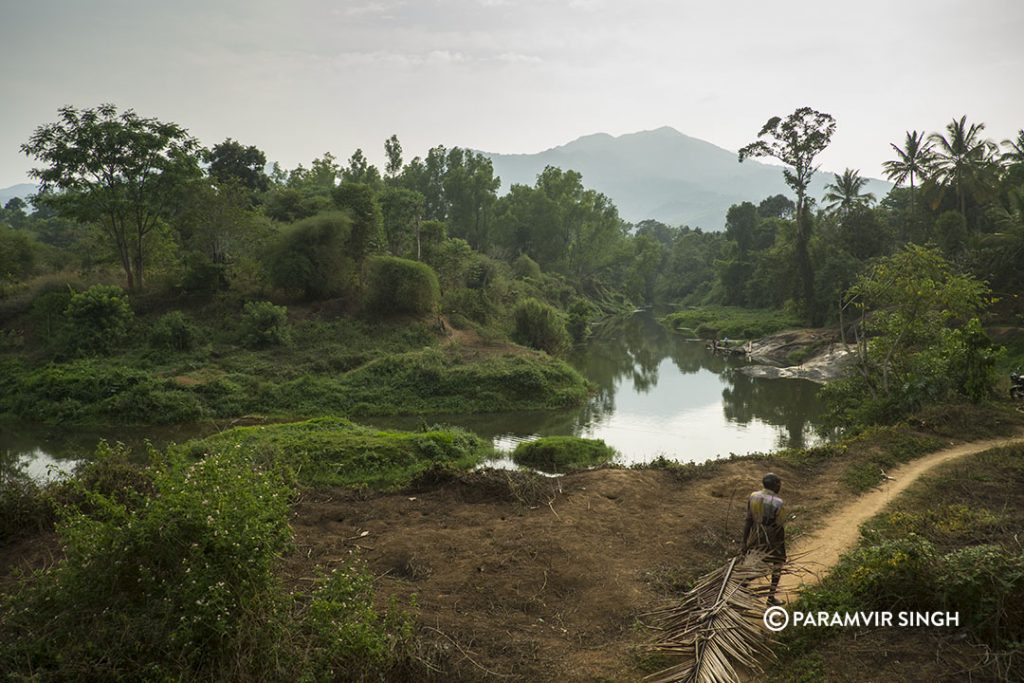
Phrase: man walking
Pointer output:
(763, 529)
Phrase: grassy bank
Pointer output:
(563, 453)
(710, 322)
(336, 452)
(119, 391)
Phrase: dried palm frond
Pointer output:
(717, 626)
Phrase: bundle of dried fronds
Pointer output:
(718, 625)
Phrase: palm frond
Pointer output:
(717, 627)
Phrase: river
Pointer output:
(656, 395)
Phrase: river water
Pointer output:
(657, 395)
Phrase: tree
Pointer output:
(218, 228)
(1003, 251)
(1014, 153)
(393, 150)
(909, 351)
(13, 213)
(795, 141)
(912, 161)
(313, 258)
(776, 206)
(402, 211)
(470, 190)
(367, 232)
(844, 195)
(960, 157)
(117, 170)
(359, 170)
(230, 161)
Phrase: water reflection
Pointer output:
(655, 394)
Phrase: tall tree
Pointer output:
(796, 141)
(116, 170)
(844, 194)
(960, 158)
(912, 161)
(470, 189)
(232, 161)
(359, 170)
(1014, 153)
(393, 150)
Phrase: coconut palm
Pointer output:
(1005, 247)
(844, 195)
(911, 162)
(716, 629)
(1014, 153)
(961, 157)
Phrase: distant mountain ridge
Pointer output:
(662, 174)
(22, 190)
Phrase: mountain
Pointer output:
(662, 174)
(22, 190)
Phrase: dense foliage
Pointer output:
(181, 582)
(397, 285)
(539, 264)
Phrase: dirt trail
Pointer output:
(819, 551)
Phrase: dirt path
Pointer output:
(820, 550)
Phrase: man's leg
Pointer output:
(776, 575)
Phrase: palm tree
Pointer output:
(1014, 153)
(960, 158)
(911, 162)
(1005, 247)
(845, 194)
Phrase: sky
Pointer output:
(305, 77)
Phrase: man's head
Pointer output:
(772, 482)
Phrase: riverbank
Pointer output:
(520, 577)
(334, 365)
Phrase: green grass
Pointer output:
(559, 454)
(730, 321)
(118, 391)
(334, 451)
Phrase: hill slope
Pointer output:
(661, 174)
(22, 190)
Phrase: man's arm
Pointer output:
(748, 524)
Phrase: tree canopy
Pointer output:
(115, 170)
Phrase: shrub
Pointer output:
(264, 324)
(17, 254)
(985, 584)
(580, 313)
(525, 268)
(170, 588)
(347, 634)
(47, 316)
(97, 319)
(705, 331)
(893, 574)
(540, 326)
(562, 453)
(312, 257)
(23, 507)
(397, 285)
(174, 331)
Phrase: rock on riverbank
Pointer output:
(815, 355)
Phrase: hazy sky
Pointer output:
(302, 77)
